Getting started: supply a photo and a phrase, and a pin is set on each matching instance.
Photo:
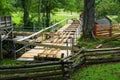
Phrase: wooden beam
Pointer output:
(102, 49)
(39, 32)
(1, 55)
(45, 45)
(22, 33)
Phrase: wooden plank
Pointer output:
(32, 75)
(45, 45)
(102, 49)
(39, 32)
(29, 70)
(1, 55)
(22, 33)
(103, 53)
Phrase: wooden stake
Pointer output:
(72, 50)
(1, 55)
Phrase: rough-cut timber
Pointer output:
(63, 37)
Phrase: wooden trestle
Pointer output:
(64, 38)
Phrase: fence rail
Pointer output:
(104, 55)
(60, 70)
(37, 33)
(56, 69)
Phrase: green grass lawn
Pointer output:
(98, 72)
(10, 62)
(92, 44)
(58, 16)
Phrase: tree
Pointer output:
(48, 11)
(89, 18)
(26, 12)
(39, 10)
(6, 7)
(105, 7)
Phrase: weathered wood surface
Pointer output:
(33, 35)
(39, 70)
(102, 49)
(16, 33)
(56, 47)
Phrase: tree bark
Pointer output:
(89, 18)
(26, 13)
(48, 10)
(39, 11)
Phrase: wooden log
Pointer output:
(88, 62)
(32, 75)
(22, 33)
(71, 56)
(102, 49)
(81, 52)
(99, 46)
(82, 61)
(104, 53)
(102, 59)
(31, 70)
(34, 65)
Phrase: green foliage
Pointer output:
(98, 72)
(6, 7)
(107, 7)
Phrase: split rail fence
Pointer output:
(62, 69)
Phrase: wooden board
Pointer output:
(59, 40)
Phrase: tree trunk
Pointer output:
(39, 11)
(47, 13)
(89, 18)
(26, 13)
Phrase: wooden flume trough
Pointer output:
(54, 44)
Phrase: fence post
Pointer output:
(14, 50)
(62, 66)
(66, 68)
(34, 27)
(1, 55)
(67, 46)
(72, 51)
(84, 58)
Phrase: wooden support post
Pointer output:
(62, 65)
(14, 50)
(67, 46)
(75, 38)
(1, 55)
(62, 55)
(34, 27)
(42, 36)
(72, 50)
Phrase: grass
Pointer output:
(98, 72)
(94, 43)
(89, 43)
(58, 16)
(10, 62)
(109, 71)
